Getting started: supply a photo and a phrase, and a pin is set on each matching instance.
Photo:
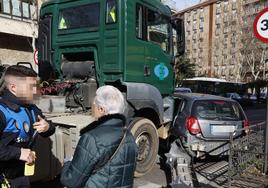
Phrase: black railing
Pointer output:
(19, 9)
(247, 158)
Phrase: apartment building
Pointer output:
(213, 33)
(18, 30)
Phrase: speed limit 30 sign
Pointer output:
(261, 25)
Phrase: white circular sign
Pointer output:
(261, 25)
(36, 57)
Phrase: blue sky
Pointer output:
(182, 4)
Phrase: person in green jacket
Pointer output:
(106, 152)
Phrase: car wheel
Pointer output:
(146, 138)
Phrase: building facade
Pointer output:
(214, 33)
(18, 30)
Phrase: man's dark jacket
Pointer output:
(10, 152)
(98, 142)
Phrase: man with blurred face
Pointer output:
(20, 122)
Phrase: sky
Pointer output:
(182, 4)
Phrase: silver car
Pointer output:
(203, 123)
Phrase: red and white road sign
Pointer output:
(36, 57)
(261, 25)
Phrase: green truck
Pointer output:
(85, 44)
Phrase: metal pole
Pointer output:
(266, 139)
(230, 162)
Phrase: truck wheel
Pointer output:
(146, 137)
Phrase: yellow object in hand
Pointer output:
(29, 169)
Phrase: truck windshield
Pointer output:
(79, 17)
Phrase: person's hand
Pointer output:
(27, 155)
(41, 125)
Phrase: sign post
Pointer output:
(261, 32)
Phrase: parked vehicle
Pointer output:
(234, 96)
(204, 122)
(182, 90)
(253, 97)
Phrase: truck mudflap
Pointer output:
(179, 163)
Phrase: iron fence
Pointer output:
(247, 158)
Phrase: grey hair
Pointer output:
(111, 99)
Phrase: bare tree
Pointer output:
(254, 54)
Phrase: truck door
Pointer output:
(157, 52)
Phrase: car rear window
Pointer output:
(217, 110)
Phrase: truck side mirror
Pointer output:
(178, 25)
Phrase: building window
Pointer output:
(201, 13)
(19, 8)
(233, 44)
(225, 30)
(218, 20)
(218, 4)
(201, 24)
(225, 18)
(225, 6)
(217, 32)
(234, 5)
(257, 8)
(194, 25)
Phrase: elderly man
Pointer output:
(20, 121)
(106, 153)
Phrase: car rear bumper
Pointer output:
(210, 148)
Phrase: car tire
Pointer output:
(146, 138)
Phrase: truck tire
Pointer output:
(146, 137)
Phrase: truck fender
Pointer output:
(141, 95)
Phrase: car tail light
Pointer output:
(192, 125)
(245, 124)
